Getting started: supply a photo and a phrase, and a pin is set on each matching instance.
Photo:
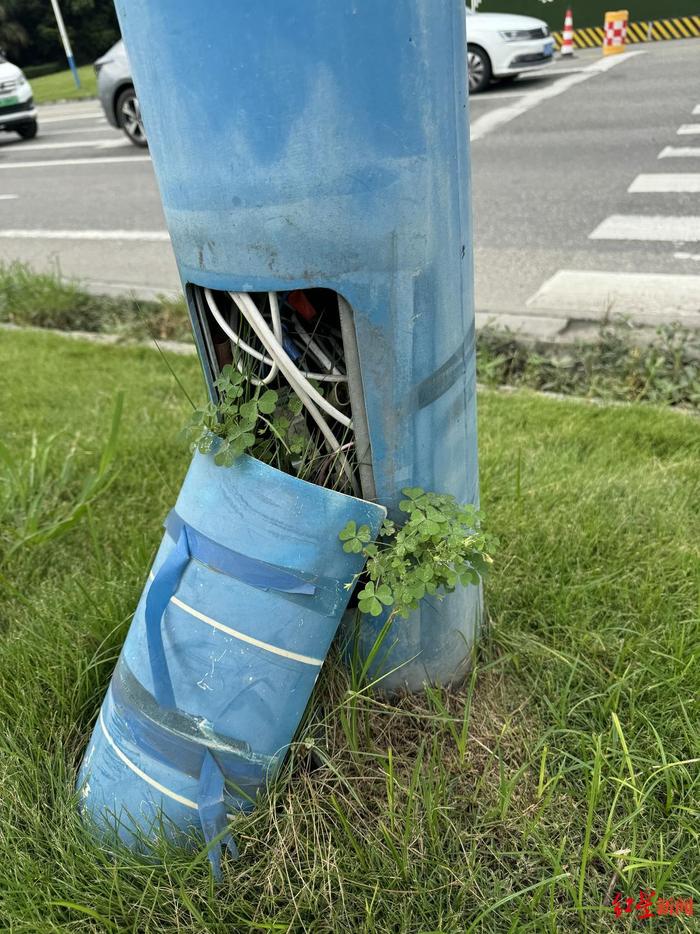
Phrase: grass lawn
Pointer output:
(61, 86)
(566, 770)
(47, 300)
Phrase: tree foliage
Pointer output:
(29, 34)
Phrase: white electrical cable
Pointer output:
(286, 365)
(296, 380)
(277, 330)
(314, 349)
(238, 341)
(331, 440)
(295, 377)
(242, 345)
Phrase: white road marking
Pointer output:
(688, 129)
(100, 160)
(83, 129)
(570, 292)
(119, 143)
(146, 236)
(648, 227)
(694, 256)
(676, 182)
(8, 197)
(76, 144)
(554, 72)
(93, 115)
(696, 110)
(680, 152)
(494, 95)
(526, 88)
(485, 124)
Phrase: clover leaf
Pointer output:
(439, 546)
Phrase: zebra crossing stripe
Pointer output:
(646, 296)
(655, 228)
(680, 152)
(674, 182)
(656, 30)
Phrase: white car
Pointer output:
(502, 45)
(17, 110)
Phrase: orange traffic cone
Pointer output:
(567, 39)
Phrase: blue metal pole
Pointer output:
(66, 41)
(304, 143)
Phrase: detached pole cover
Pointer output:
(238, 612)
(308, 143)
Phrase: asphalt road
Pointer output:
(559, 239)
(72, 196)
(558, 236)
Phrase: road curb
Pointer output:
(566, 328)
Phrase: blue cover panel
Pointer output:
(241, 658)
(304, 143)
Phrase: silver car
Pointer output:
(116, 89)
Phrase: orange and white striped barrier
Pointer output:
(615, 32)
(567, 39)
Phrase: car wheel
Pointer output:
(28, 130)
(129, 117)
(478, 69)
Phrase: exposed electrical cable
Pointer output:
(315, 349)
(277, 352)
(279, 363)
(242, 345)
(237, 340)
(363, 446)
